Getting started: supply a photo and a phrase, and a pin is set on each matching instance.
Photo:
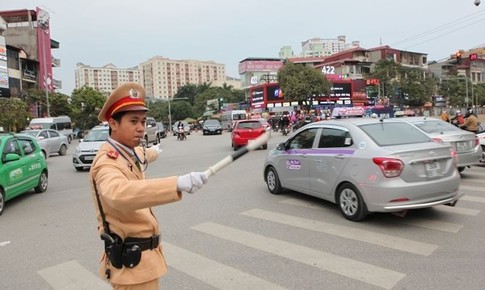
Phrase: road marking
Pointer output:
(473, 198)
(211, 272)
(302, 203)
(458, 210)
(429, 224)
(370, 237)
(4, 243)
(474, 188)
(350, 268)
(433, 225)
(72, 276)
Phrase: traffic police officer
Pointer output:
(133, 258)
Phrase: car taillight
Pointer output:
(477, 141)
(454, 155)
(438, 140)
(390, 167)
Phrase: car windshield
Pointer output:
(249, 125)
(431, 126)
(211, 123)
(96, 136)
(394, 133)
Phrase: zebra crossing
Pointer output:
(369, 274)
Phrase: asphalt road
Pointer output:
(233, 234)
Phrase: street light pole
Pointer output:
(169, 116)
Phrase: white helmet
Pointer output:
(374, 115)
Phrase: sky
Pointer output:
(126, 33)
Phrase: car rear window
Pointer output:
(249, 125)
(394, 133)
(437, 126)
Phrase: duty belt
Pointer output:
(143, 243)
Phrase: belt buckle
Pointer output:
(154, 242)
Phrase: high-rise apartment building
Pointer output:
(106, 78)
(162, 77)
(322, 47)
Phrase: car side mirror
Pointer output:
(11, 157)
(281, 147)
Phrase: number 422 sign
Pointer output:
(328, 70)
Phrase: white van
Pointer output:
(62, 124)
(229, 117)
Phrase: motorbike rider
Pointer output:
(471, 122)
(181, 131)
(285, 122)
(458, 119)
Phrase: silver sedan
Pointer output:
(56, 142)
(465, 144)
(365, 165)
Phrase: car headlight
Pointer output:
(78, 150)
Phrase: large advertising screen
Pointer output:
(273, 93)
(341, 90)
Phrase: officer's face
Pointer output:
(130, 130)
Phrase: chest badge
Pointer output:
(113, 154)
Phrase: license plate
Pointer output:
(88, 157)
(432, 168)
(460, 146)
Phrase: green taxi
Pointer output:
(22, 167)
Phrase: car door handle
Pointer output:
(339, 156)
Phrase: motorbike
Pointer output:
(181, 134)
(286, 129)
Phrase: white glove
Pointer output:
(191, 182)
(156, 148)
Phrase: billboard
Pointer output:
(4, 88)
(44, 49)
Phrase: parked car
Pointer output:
(211, 127)
(245, 131)
(466, 144)
(175, 129)
(151, 131)
(365, 165)
(56, 142)
(161, 133)
(87, 148)
(22, 167)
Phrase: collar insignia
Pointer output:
(113, 154)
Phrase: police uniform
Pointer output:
(118, 180)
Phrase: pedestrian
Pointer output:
(123, 198)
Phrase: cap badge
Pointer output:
(134, 93)
(113, 154)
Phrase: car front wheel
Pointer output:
(42, 186)
(273, 181)
(351, 203)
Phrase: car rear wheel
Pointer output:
(2, 201)
(461, 168)
(265, 146)
(69, 139)
(273, 181)
(350, 202)
(42, 186)
(63, 150)
(44, 154)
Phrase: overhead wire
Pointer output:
(442, 27)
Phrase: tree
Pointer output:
(415, 88)
(299, 82)
(388, 73)
(85, 106)
(59, 105)
(188, 92)
(14, 114)
(454, 90)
